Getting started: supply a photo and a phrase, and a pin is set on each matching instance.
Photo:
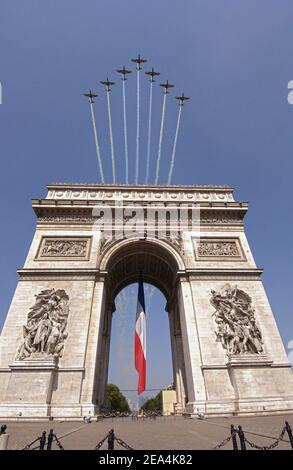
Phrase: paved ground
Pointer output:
(162, 433)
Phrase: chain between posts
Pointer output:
(100, 443)
(223, 443)
(123, 444)
(58, 443)
(111, 440)
(271, 446)
(243, 440)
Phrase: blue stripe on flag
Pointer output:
(141, 292)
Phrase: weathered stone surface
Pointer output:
(70, 253)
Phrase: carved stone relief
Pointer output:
(45, 331)
(64, 248)
(219, 248)
(235, 319)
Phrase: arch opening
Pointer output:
(155, 261)
(121, 358)
(159, 265)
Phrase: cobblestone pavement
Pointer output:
(163, 433)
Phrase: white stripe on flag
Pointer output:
(140, 327)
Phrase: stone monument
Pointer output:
(228, 357)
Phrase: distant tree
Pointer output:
(116, 401)
(153, 404)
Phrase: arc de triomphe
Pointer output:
(227, 353)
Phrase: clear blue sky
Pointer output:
(233, 57)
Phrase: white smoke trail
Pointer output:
(174, 147)
(149, 135)
(111, 137)
(137, 127)
(125, 131)
(161, 138)
(97, 142)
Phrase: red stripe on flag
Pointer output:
(140, 364)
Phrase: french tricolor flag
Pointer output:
(140, 339)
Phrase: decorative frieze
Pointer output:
(205, 219)
(67, 219)
(220, 220)
(218, 194)
(64, 247)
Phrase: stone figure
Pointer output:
(52, 338)
(235, 319)
(26, 347)
(60, 344)
(45, 331)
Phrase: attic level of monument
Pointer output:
(139, 192)
(80, 203)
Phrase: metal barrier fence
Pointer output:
(236, 436)
(244, 441)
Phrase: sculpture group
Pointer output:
(235, 318)
(45, 331)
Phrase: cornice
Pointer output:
(221, 274)
(86, 204)
(168, 187)
(82, 211)
(188, 274)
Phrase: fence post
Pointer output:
(4, 438)
(50, 439)
(111, 439)
(234, 437)
(289, 431)
(242, 438)
(43, 440)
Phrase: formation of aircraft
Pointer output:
(124, 72)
